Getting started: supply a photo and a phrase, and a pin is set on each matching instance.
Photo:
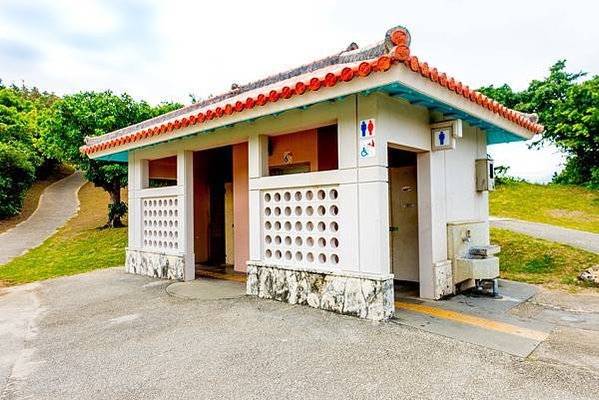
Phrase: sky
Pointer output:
(165, 50)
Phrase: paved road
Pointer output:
(109, 335)
(57, 205)
(581, 239)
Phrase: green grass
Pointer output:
(531, 260)
(79, 246)
(568, 206)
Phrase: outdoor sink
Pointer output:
(474, 267)
(483, 251)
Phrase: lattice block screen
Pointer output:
(301, 226)
(161, 224)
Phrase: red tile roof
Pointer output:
(397, 54)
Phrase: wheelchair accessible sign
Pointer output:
(366, 133)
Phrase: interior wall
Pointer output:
(201, 206)
(212, 169)
(163, 168)
(328, 151)
(302, 145)
(400, 158)
(241, 206)
(229, 225)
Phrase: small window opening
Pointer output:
(162, 172)
(305, 151)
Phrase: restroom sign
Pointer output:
(367, 148)
(443, 138)
(366, 128)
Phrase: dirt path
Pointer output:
(583, 240)
(56, 206)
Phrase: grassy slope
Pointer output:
(32, 197)
(77, 247)
(527, 259)
(568, 206)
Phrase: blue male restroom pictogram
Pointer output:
(441, 138)
(363, 128)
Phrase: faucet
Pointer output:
(468, 237)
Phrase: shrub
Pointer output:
(502, 176)
(116, 211)
(18, 173)
(575, 174)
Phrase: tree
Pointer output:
(76, 116)
(19, 158)
(17, 176)
(569, 110)
(576, 131)
(505, 95)
(15, 126)
(33, 105)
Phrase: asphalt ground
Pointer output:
(110, 335)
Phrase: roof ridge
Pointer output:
(352, 63)
(344, 57)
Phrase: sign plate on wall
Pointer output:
(366, 128)
(367, 148)
(443, 138)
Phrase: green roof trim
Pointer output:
(495, 134)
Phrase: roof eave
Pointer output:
(400, 75)
(295, 102)
(416, 83)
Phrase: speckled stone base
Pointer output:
(157, 265)
(361, 295)
(443, 279)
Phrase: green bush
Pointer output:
(502, 176)
(116, 211)
(575, 174)
(16, 176)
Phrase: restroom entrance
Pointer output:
(403, 214)
(213, 205)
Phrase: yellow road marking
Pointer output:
(472, 320)
(427, 310)
(219, 275)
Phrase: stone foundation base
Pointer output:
(158, 265)
(361, 295)
(443, 279)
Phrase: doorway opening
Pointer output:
(213, 206)
(403, 219)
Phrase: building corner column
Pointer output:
(185, 182)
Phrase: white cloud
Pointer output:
(160, 50)
(534, 165)
(91, 17)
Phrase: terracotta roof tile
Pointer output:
(324, 73)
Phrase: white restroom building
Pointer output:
(326, 184)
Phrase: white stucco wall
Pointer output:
(446, 181)
(465, 203)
